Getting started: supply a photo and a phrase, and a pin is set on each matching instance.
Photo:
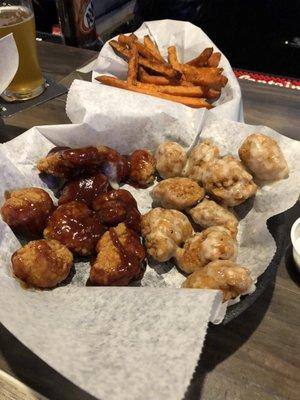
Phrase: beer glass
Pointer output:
(17, 17)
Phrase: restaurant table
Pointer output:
(255, 356)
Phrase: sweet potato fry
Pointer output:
(120, 49)
(142, 49)
(150, 45)
(214, 60)
(127, 40)
(132, 65)
(173, 59)
(202, 59)
(208, 79)
(160, 68)
(188, 101)
(144, 77)
(186, 91)
(212, 94)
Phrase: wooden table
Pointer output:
(253, 357)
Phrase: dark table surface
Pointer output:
(253, 357)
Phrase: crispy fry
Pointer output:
(212, 94)
(214, 60)
(142, 49)
(188, 101)
(132, 65)
(144, 77)
(160, 68)
(208, 79)
(127, 40)
(202, 59)
(120, 49)
(187, 91)
(150, 45)
(173, 59)
(156, 79)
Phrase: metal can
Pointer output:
(77, 22)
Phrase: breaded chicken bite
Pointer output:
(118, 206)
(177, 193)
(164, 230)
(208, 213)
(84, 189)
(224, 275)
(200, 155)
(42, 263)
(26, 210)
(263, 157)
(69, 162)
(142, 168)
(228, 181)
(76, 226)
(170, 159)
(119, 259)
(213, 243)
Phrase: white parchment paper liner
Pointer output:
(129, 343)
(9, 60)
(190, 41)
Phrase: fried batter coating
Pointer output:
(170, 159)
(118, 206)
(76, 226)
(177, 193)
(199, 156)
(228, 181)
(209, 213)
(263, 157)
(213, 243)
(119, 259)
(26, 210)
(68, 162)
(42, 263)
(164, 230)
(142, 167)
(224, 275)
(84, 189)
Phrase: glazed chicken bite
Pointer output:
(84, 189)
(164, 230)
(69, 162)
(228, 181)
(142, 168)
(26, 210)
(170, 159)
(42, 263)
(119, 259)
(118, 206)
(76, 226)
(224, 275)
(263, 157)
(199, 156)
(209, 213)
(213, 243)
(177, 193)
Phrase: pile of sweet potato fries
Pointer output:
(196, 83)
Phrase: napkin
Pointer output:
(9, 61)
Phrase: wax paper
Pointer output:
(142, 341)
(9, 61)
(189, 41)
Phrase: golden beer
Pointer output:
(28, 81)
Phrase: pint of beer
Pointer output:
(16, 16)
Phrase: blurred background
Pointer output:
(255, 35)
